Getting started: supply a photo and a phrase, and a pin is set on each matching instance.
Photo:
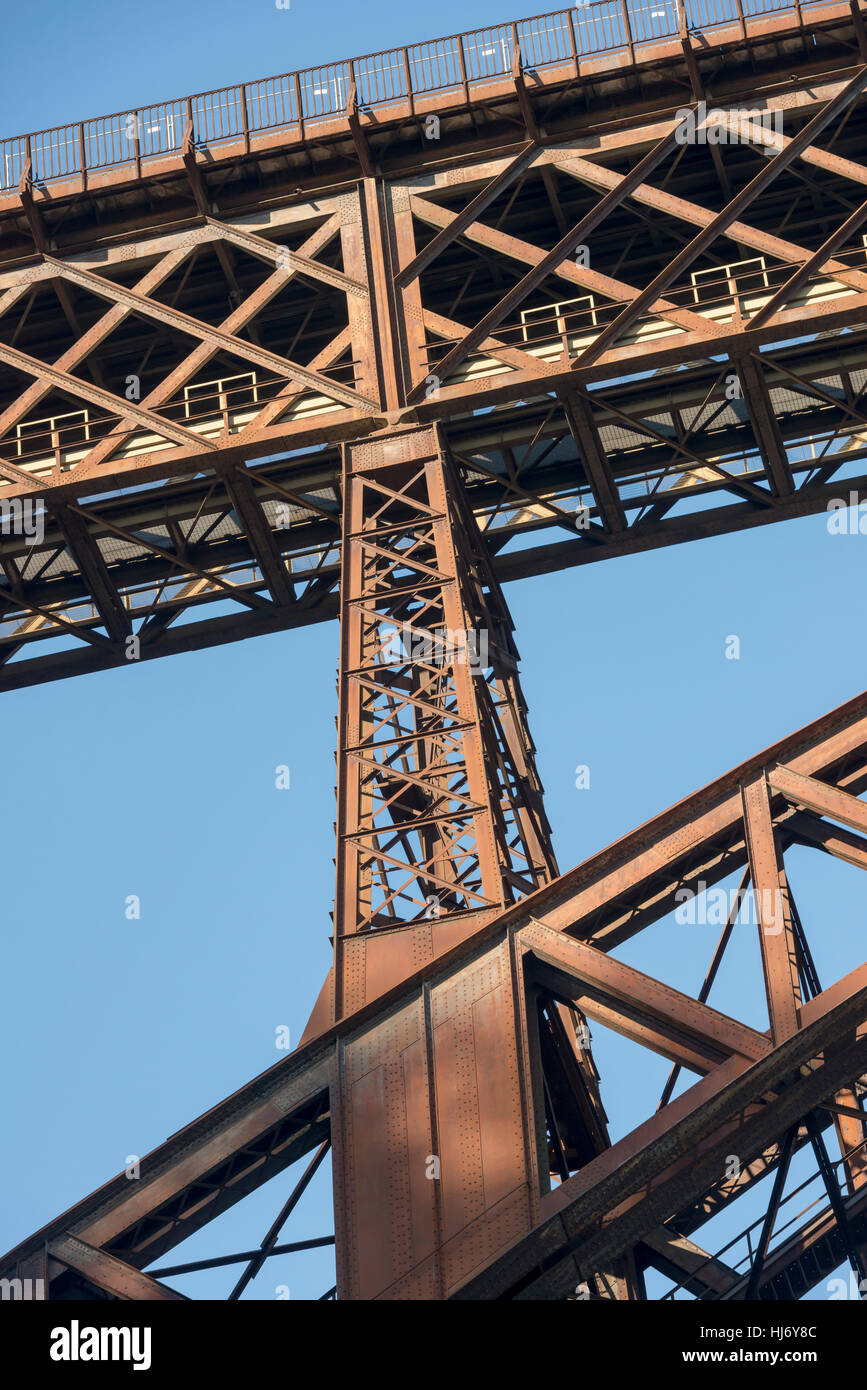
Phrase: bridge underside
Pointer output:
(372, 369)
(628, 340)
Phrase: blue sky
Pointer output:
(159, 780)
(99, 56)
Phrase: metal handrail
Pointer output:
(759, 1221)
(290, 100)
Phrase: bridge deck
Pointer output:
(176, 378)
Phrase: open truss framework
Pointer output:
(459, 1059)
(667, 336)
(373, 376)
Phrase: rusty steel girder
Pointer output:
(374, 387)
(711, 349)
(448, 1063)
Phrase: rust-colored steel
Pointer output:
(382, 351)
(375, 383)
(440, 826)
(439, 808)
(437, 1093)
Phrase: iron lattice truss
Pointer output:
(701, 370)
(366, 374)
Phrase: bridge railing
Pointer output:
(460, 62)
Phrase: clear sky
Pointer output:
(159, 780)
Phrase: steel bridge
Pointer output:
(365, 342)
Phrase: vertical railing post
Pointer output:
(299, 110)
(82, 156)
(572, 41)
(742, 18)
(627, 29)
(407, 77)
(462, 60)
(352, 96)
(245, 122)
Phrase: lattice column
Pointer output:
(440, 818)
